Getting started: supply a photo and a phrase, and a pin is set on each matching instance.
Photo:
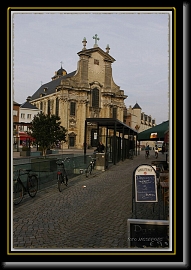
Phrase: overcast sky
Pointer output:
(139, 42)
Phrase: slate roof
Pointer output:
(28, 105)
(16, 103)
(136, 106)
(51, 86)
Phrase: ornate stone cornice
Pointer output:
(95, 84)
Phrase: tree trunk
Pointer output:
(44, 152)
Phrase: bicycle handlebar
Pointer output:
(61, 162)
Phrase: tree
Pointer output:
(46, 130)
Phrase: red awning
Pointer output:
(24, 136)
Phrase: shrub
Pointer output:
(25, 148)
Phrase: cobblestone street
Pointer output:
(91, 213)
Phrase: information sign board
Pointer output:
(144, 233)
(145, 184)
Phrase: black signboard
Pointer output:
(145, 188)
(148, 233)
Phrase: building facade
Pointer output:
(26, 115)
(136, 119)
(87, 92)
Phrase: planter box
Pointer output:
(25, 153)
(43, 164)
(36, 154)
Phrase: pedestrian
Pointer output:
(147, 148)
(100, 148)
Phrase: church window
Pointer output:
(48, 109)
(95, 98)
(41, 106)
(114, 112)
(73, 108)
(57, 107)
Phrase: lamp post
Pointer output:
(14, 142)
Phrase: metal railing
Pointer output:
(46, 168)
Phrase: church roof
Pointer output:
(136, 106)
(49, 88)
(105, 55)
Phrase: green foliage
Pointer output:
(46, 130)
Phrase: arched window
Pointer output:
(72, 108)
(95, 98)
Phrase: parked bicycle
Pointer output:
(91, 166)
(62, 177)
(19, 189)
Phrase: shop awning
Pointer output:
(156, 133)
(24, 136)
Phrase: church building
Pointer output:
(87, 92)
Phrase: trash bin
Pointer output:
(101, 161)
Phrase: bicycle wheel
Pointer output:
(32, 185)
(18, 192)
(89, 170)
(60, 182)
(65, 180)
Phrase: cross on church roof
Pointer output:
(96, 39)
(61, 64)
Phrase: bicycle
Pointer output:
(147, 154)
(62, 177)
(156, 154)
(19, 188)
(91, 166)
(131, 154)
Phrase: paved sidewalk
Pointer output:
(91, 213)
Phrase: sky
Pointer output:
(138, 41)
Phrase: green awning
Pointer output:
(156, 133)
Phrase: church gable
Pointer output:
(96, 68)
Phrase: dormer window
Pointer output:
(42, 95)
(45, 89)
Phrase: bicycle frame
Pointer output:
(91, 166)
(19, 189)
(147, 153)
(61, 173)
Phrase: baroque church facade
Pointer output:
(87, 92)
